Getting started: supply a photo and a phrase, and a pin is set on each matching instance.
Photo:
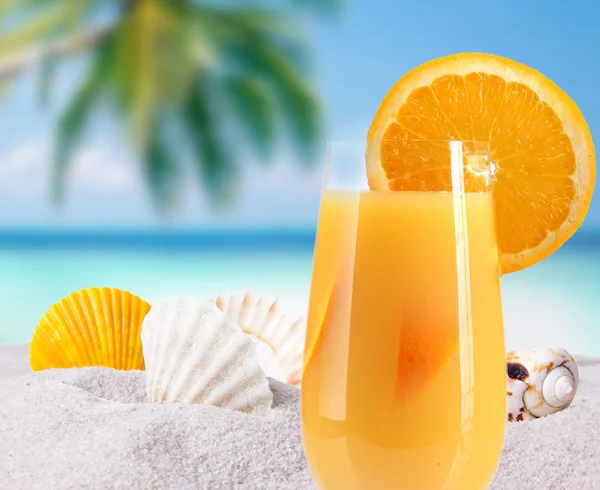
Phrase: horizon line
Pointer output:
(255, 238)
(230, 237)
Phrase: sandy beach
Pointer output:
(92, 428)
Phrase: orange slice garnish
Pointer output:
(541, 149)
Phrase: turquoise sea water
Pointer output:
(557, 302)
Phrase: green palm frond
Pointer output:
(5, 87)
(250, 49)
(77, 10)
(136, 73)
(265, 22)
(304, 115)
(74, 8)
(248, 25)
(299, 105)
(33, 32)
(45, 77)
(273, 28)
(166, 63)
(213, 161)
(161, 171)
(254, 108)
(320, 6)
(45, 24)
(75, 117)
(7, 7)
(316, 6)
(155, 62)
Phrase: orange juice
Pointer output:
(405, 384)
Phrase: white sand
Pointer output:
(92, 428)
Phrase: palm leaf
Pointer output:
(74, 119)
(76, 13)
(250, 24)
(320, 6)
(250, 50)
(212, 161)
(7, 7)
(317, 6)
(303, 111)
(261, 20)
(155, 64)
(135, 69)
(45, 77)
(300, 106)
(33, 32)
(254, 109)
(176, 56)
(74, 8)
(160, 170)
(5, 86)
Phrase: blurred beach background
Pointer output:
(176, 147)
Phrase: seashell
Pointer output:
(540, 382)
(90, 327)
(194, 353)
(279, 336)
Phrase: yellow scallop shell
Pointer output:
(91, 327)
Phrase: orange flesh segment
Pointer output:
(542, 184)
(517, 117)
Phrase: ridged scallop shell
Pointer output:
(540, 382)
(195, 354)
(90, 327)
(279, 336)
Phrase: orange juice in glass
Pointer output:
(404, 383)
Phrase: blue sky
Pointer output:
(359, 55)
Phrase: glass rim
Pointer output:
(405, 140)
(346, 161)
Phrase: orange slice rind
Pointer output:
(541, 150)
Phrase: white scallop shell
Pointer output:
(540, 382)
(194, 353)
(279, 336)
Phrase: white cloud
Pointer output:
(25, 171)
(94, 169)
(99, 186)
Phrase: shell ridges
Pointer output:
(97, 326)
(278, 335)
(195, 354)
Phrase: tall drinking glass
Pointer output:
(404, 383)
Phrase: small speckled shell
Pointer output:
(279, 336)
(540, 382)
(195, 354)
(90, 327)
